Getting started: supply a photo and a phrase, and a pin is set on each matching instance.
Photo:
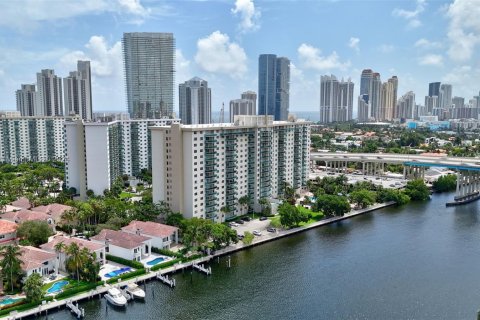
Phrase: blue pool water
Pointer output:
(57, 286)
(8, 301)
(155, 261)
(117, 272)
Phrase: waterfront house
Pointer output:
(39, 261)
(27, 215)
(55, 210)
(8, 232)
(162, 235)
(22, 202)
(94, 247)
(125, 245)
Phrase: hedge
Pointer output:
(125, 262)
(165, 264)
(167, 252)
(73, 291)
(126, 276)
(23, 306)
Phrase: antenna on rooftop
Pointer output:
(222, 111)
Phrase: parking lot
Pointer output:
(393, 181)
(253, 225)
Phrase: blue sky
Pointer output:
(420, 41)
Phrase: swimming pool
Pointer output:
(155, 261)
(57, 286)
(7, 301)
(117, 272)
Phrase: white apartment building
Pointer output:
(203, 170)
(96, 153)
(31, 139)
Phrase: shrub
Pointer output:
(167, 252)
(126, 276)
(125, 262)
(75, 290)
(165, 264)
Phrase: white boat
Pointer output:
(135, 291)
(115, 297)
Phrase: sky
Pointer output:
(420, 41)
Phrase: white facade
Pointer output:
(203, 170)
(97, 153)
(31, 139)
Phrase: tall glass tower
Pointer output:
(273, 86)
(149, 61)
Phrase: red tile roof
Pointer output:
(33, 258)
(55, 210)
(22, 202)
(7, 226)
(90, 245)
(150, 228)
(9, 208)
(121, 239)
(25, 215)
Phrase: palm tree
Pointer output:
(11, 262)
(59, 248)
(244, 201)
(75, 258)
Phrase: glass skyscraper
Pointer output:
(149, 61)
(273, 86)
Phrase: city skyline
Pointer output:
(220, 41)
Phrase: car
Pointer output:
(271, 229)
(233, 224)
(240, 222)
(257, 233)
(240, 236)
(263, 218)
(246, 218)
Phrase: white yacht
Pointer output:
(115, 297)
(135, 291)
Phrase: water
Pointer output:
(155, 261)
(7, 301)
(421, 261)
(117, 272)
(57, 286)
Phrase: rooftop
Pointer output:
(121, 239)
(150, 228)
(55, 209)
(33, 258)
(22, 202)
(7, 226)
(90, 245)
(25, 215)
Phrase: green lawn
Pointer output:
(125, 195)
(315, 216)
(71, 284)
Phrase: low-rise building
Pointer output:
(162, 235)
(124, 245)
(54, 210)
(92, 246)
(39, 261)
(22, 202)
(8, 232)
(27, 215)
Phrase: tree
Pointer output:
(60, 248)
(11, 265)
(195, 232)
(74, 260)
(363, 198)
(290, 216)
(33, 288)
(244, 201)
(222, 235)
(417, 190)
(248, 238)
(35, 232)
(90, 267)
(445, 183)
(174, 219)
(332, 205)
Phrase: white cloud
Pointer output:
(431, 60)
(464, 29)
(427, 44)
(464, 80)
(105, 61)
(386, 48)
(249, 15)
(354, 44)
(217, 54)
(311, 58)
(412, 16)
(25, 15)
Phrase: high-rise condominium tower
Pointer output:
(445, 96)
(26, 100)
(251, 95)
(336, 99)
(77, 88)
(433, 89)
(406, 106)
(195, 102)
(244, 106)
(149, 60)
(375, 98)
(366, 84)
(49, 96)
(273, 86)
